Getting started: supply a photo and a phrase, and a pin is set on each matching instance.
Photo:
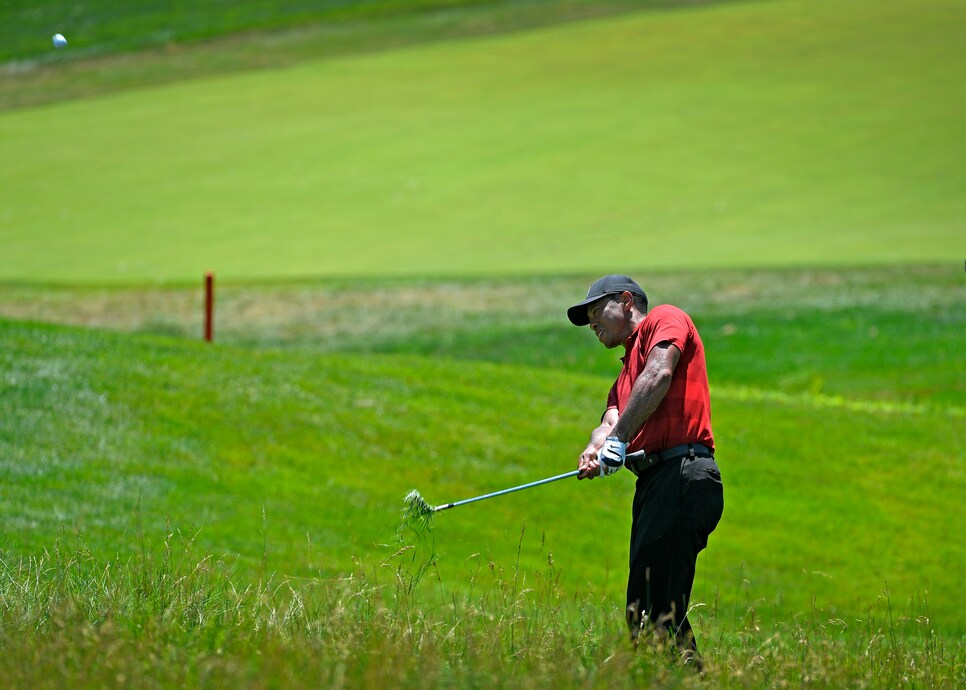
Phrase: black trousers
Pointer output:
(677, 504)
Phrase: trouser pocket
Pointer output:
(702, 495)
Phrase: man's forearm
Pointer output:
(647, 393)
(600, 434)
(645, 398)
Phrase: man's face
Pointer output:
(609, 320)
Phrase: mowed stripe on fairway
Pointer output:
(752, 134)
(833, 403)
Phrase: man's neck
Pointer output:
(636, 318)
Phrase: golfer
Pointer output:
(659, 404)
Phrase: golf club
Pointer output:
(418, 509)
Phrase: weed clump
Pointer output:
(417, 514)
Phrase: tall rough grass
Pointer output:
(169, 618)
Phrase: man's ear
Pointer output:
(627, 301)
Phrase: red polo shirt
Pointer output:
(684, 416)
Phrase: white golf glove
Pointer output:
(611, 456)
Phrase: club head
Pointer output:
(417, 513)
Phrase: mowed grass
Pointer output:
(106, 26)
(783, 133)
(111, 26)
(876, 334)
(295, 461)
(114, 46)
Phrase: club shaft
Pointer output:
(508, 491)
(565, 475)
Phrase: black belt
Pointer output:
(642, 460)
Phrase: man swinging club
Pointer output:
(660, 403)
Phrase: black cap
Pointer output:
(608, 285)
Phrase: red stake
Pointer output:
(209, 305)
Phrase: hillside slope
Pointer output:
(297, 463)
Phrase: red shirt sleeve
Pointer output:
(672, 327)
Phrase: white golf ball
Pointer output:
(59, 41)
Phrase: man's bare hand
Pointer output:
(588, 464)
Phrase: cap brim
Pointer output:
(578, 313)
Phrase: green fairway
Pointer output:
(114, 46)
(783, 133)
